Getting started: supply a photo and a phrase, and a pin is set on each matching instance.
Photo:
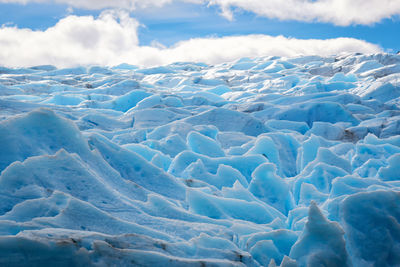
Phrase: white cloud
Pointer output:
(72, 40)
(101, 4)
(112, 39)
(339, 12)
(217, 50)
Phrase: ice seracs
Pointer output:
(260, 162)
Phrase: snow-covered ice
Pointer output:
(259, 162)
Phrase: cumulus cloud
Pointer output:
(112, 39)
(72, 40)
(339, 12)
(216, 50)
(102, 4)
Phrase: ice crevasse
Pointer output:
(259, 162)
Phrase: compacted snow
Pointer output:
(259, 162)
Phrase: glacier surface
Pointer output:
(258, 162)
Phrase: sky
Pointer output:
(68, 33)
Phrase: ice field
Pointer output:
(258, 162)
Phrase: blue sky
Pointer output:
(181, 21)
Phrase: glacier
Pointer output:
(266, 161)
